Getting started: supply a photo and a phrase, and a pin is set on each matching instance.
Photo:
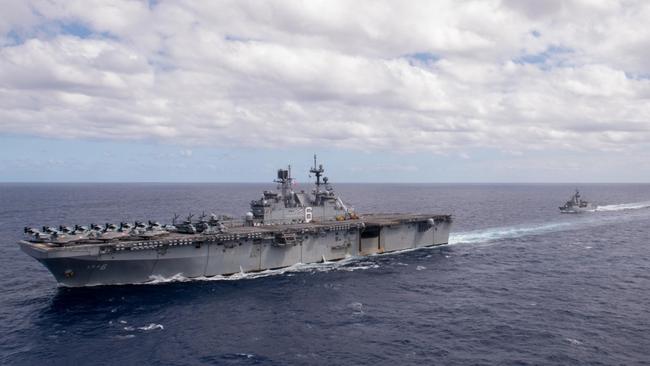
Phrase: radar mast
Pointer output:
(318, 171)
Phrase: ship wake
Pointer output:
(623, 206)
(485, 235)
(513, 232)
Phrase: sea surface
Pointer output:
(519, 284)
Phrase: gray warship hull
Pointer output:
(577, 210)
(240, 250)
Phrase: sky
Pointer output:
(382, 91)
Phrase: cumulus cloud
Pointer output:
(438, 76)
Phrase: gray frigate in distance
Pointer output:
(283, 228)
(577, 205)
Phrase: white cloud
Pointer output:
(512, 75)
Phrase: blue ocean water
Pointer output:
(519, 284)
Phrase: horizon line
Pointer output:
(310, 183)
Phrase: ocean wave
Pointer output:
(125, 336)
(152, 326)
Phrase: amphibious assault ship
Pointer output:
(576, 205)
(283, 228)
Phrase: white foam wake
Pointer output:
(624, 206)
(479, 236)
(152, 326)
(347, 264)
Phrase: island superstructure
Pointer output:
(283, 228)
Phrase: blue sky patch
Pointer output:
(50, 29)
(637, 75)
(76, 29)
(41, 159)
(14, 38)
(426, 57)
(234, 38)
(551, 56)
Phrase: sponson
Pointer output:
(283, 228)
